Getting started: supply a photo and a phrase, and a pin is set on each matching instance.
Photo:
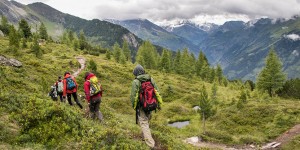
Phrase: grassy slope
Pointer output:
(32, 120)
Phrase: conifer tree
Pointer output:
(35, 47)
(4, 27)
(126, 51)
(177, 62)
(117, 52)
(212, 75)
(206, 108)
(147, 56)
(214, 90)
(14, 43)
(165, 62)
(122, 58)
(82, 41)
(93, 66)
(186, 65)
(219, 74)
(271, 78)
(108, 54)
(43, 32)
(24, 28)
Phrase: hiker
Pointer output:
(138, 98)
(70, 88)
(93, 94)
(59, 88)
(53, 93)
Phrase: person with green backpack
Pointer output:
(93, 93)
(145, 98)
(70, 89)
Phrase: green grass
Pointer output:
(30, 119)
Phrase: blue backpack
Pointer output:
(70, 83)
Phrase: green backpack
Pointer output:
(95, 86)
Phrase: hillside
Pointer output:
(31, 120)
(98, 32)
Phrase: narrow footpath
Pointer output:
(81, 60)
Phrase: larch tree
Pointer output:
(126, 51)
(24, 29)
(43, 32)
(165, 61)
(271, 78)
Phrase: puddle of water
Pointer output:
(179, 124)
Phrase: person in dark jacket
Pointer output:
(72, 92)
(93, 101)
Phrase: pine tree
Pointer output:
(206, 108)
(147, 56)
(126, 50)
(4, 27)
(122, 58)
(214, 90)
(43, 32)
(92, 66)
(82, 41)
(14, 43)
(108, 54)
(271, 78)
(165, 61)
(24, 28)
(219, 74)
(186, 63)
(35, 47)
(212, 75)
(117, 52)
(177, 62)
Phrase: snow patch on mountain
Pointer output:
(294, 37)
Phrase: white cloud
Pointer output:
(217, 11)
(294, 37)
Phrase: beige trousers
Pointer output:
(144, 123)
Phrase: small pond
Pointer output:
(179, 124)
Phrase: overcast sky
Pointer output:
(166, 11)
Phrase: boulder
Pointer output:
(1, 34)
(9, 62)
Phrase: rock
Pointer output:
(1, 34)
(9, 62)
(194, 139)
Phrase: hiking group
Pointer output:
(144, 97)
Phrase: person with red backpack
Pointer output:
(145, 98)
(93, 94)
(70, 88)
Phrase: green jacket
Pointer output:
(134, 96)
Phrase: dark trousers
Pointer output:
(75, 98)
(60, 96)
(95, 109)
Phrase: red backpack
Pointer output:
(147, 98)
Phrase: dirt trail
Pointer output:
(276, 144)
(81, 60)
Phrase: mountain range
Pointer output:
(239, 47)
